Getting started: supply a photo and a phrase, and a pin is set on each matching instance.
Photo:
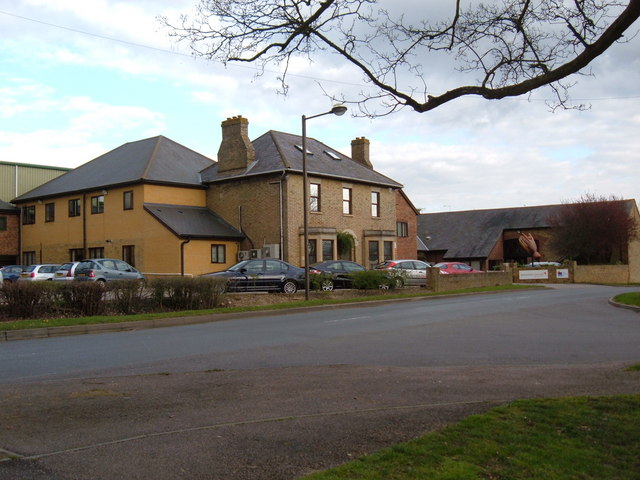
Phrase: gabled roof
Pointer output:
(6, 207)
(153, 160)
(474, 233)
(278, 151)
(192, 222)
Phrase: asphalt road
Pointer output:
(280, 396)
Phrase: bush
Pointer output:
(319, 281)
(83, 299)
(127, 296)
(372, 280)
(29, 299)
(187, 293)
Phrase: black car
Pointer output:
(265, 275)
(339, 271)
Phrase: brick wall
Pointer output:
(406, 246)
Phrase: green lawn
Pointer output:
(632, 298)
(581, 438)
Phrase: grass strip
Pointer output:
(631, 298)
(70, 321)
(583, 438)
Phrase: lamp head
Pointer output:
(339, 109)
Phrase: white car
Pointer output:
(65, 272)
(38, 272)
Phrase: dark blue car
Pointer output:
(264, 275)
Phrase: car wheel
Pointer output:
(327, 286)
(289, 287)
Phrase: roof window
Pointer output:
(332, 155)
(299, 147)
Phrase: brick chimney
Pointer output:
(236, 151)
(360, 151)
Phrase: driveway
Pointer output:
(271, 422)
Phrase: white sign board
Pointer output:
(533, 274)
(562, 273)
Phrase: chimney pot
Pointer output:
(236, 151)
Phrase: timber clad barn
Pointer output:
(169, 210)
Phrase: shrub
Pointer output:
(318, 280)
(127, 296)
(187, 293)
(29, 299)
(372, 280)
(84, 299)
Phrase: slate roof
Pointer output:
(8, 208)
(474, 233)
(192, 222)
(153, 160)
(277, 152)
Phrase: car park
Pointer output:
(266, 275)
(38, 272)
(406, 271)
(65, 272)
(106, 269)
(454, 268)
(339, 270)
(11, 273)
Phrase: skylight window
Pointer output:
(299, 147)
(332, 155)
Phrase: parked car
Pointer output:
(38, 272)
(339, 271)
(406, 272)
(11, 273)
(106, 269)
(66, 272)
(455, 268)
(265, 275)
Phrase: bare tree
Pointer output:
(593, 230)
(511, 47)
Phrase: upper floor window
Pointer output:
(402, 229)
(127, 200)
(29, 215)
(97, 204)
(49, 212)
(375, 204)
(74, 207)
(346, 201)
(314, 197)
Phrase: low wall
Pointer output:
(602, 274)
(438, 282)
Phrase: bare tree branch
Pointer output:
(515, 46)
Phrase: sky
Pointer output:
(80, 78)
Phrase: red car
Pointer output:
(455, 268)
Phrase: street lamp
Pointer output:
(336, 110)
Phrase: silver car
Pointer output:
(38, 272)
(106, 269)
(66, 272)
(406, 272)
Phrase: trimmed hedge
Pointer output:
(79, 299)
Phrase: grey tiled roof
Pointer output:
(195, 222)
(277, 151)
(473, 233)
(7, 207)
(153, 160)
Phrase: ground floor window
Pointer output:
(327, 250)
(218, 254)
(96, 252)
(28, 258)
(388, 250)
(313, 251)
(76, 254)
(374, 252)
(129, 254)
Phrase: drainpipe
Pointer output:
(182, 255)
(281, 208)
(84, 225)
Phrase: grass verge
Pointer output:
(69, 321)
(631, 298)
(571, 438)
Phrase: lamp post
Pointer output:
(336, 110)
